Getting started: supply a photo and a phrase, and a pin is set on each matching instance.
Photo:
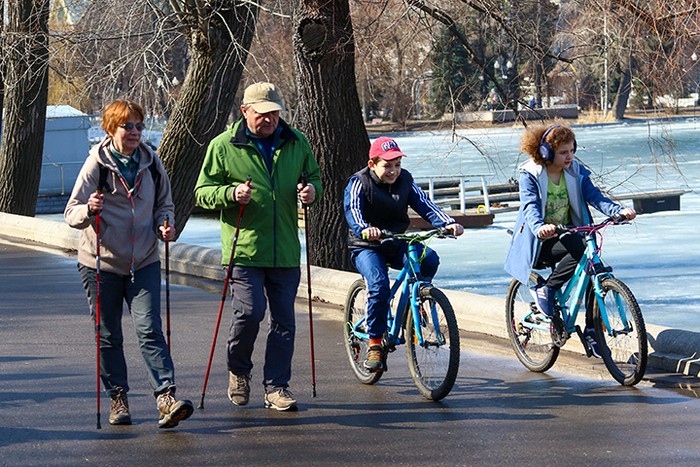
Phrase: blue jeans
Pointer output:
(372, 265)
(142, 297)
(252, 288)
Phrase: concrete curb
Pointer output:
(671, 350)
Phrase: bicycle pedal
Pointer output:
(558, 331)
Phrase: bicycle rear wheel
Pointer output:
(624, 346)
(434, 365)
(356, 348)
(532, 345)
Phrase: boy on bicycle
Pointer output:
(555, 189)
(377, 198)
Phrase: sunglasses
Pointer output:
(128, 126)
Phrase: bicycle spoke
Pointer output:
(529, 333)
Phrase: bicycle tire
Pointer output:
(625, 351)
(434, 365)
(533, 347)
(356, 348)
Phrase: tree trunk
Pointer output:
(2, 61)
(331, 117)
(625, 89)
(206, 99)
(25, 50)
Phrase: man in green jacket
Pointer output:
(275, 156)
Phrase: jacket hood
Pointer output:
(102, 155)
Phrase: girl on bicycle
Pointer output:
(377, 198)
(555, 189)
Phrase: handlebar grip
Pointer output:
(618, 218)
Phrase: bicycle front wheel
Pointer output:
(355, 318)
(531, 340)
(435, 363)
(624, 346)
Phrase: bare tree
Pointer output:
(25, 43)
(219, 37)
(330, 115)
(181, 60)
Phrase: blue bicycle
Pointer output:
(422, 318)
(620, 332)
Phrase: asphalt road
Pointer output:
(498, 414)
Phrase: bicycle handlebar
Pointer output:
(418, 236)
(615, 219)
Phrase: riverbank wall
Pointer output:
(671, 350)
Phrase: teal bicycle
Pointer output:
(422, 318)
(619, 326)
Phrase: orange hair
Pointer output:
(532, 137)
(118, 112)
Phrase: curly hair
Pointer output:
(532, 137)
(118, 112)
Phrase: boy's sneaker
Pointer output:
(591, 342)
(280, 399)
(119, 410)
(544, 299)
(171, 410)
(374, 361)
(238, 388)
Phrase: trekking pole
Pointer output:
(229, 270)
(167, 285)
(97, 310)
(304, 182)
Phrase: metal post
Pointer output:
(485, 189)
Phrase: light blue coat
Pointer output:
(525, 246)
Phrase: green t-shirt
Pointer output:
(557, 209)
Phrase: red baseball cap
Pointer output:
(385, 148)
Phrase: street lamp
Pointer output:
(694, 58)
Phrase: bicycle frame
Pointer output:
(407, 285)
(590, 268)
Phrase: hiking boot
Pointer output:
(238, 388)
(280, 399)
(591, 343)
(119, 410)
(171, 410)
(544, 299)
(374, 362)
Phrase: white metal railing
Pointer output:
(462, 180)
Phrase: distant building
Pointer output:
(65, 149)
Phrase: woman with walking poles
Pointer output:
(121, 202)
(254, 173)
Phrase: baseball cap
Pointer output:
(263, 97)
(385, 148)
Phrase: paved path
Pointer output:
(498, 413)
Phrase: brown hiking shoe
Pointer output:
(119, 410)
(374, 361)
(238, 388)
(171, 410)
(280, 399)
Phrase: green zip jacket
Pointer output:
(269, 232)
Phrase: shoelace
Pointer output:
(374, 354)
(241, 383)
(119, 404)
(167, 400)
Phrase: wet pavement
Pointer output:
(498, 412)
